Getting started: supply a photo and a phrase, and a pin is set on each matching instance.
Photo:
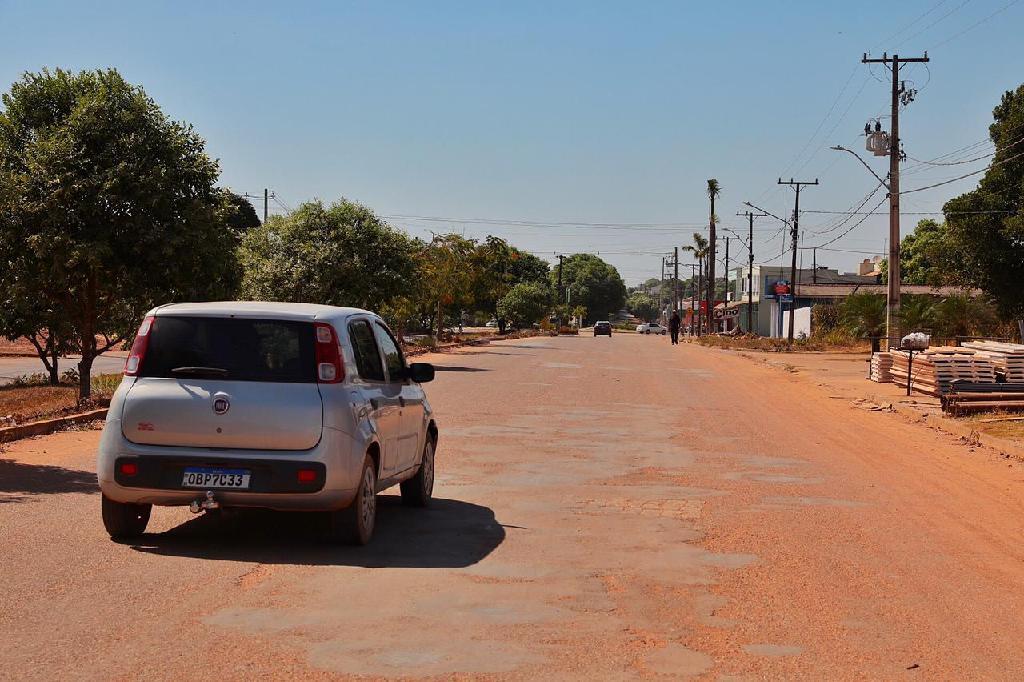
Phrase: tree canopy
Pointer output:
(525, 303)
(340, 254)
(592, 283)
(986, 225)
(642, 305)
(107, 208)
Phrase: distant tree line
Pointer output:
(109, 208)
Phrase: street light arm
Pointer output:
(767, 213)
(840, 148)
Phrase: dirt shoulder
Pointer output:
(843, 376)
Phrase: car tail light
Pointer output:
(138, 351)
(306, 475)
(329, 367)
(129, 468)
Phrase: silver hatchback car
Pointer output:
(285, 406)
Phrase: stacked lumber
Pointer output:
(1007, 358)
(935, 369)
(881, 367)
(971, 397)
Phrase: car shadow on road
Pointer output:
(24, 480)
(448, 534)
(455, 368)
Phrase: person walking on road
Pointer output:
(673, 327)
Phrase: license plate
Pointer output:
(203, 477)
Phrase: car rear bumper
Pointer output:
(273, 475)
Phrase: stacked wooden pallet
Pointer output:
(1007, 358)
(936, 368)
(881, 367)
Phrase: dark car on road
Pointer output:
(603, 327)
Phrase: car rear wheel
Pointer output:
(418, 490)
(124, 520)
(354, 524)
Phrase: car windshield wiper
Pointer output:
(200, 371)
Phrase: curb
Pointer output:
(48, 426)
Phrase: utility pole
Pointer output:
(726, 282)
(693, 294)
(267, 196)
(675, 283)
(560, 257)
(892, 310)
(661, 290)
(700, 288)
(796, 233)
(814, 272)
(750, 267)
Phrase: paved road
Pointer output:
(608, 509)
(13, 367)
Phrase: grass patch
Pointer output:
(770, 345)
(1011, 430)
(31, 398)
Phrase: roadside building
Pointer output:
(773, 293)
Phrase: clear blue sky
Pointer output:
(547, 112)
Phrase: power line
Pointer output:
(937, 21)
(851, 214)
(975, 24)
(965, 175)
(888, 40)
(852, 227)
(536, 223)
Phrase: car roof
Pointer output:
(258, 309)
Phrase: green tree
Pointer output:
(963, 315)
(238, 213)
(700, 250)
(917, 312)
(986, 225)
(107, 208)
(925, 256)
(864, 314)
(525, 267)
(525, 303)
(593, 283)
(642, 305)
(496, 267)
(341, 254)
(447, 275)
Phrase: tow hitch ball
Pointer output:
(204, 505)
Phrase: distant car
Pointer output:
(491, 323)
(603, 327)
(650, 328)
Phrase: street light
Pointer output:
(840, 148)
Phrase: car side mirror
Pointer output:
(421, 372)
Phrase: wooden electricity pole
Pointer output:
(892, 309)
(795, 233)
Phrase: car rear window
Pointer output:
(249, 350)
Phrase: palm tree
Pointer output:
(864, 315)
(714, 189)
(699, 249)
(917, 313)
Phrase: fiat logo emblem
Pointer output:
(221, 405)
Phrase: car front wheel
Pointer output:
(124, 520)
(418, 490)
